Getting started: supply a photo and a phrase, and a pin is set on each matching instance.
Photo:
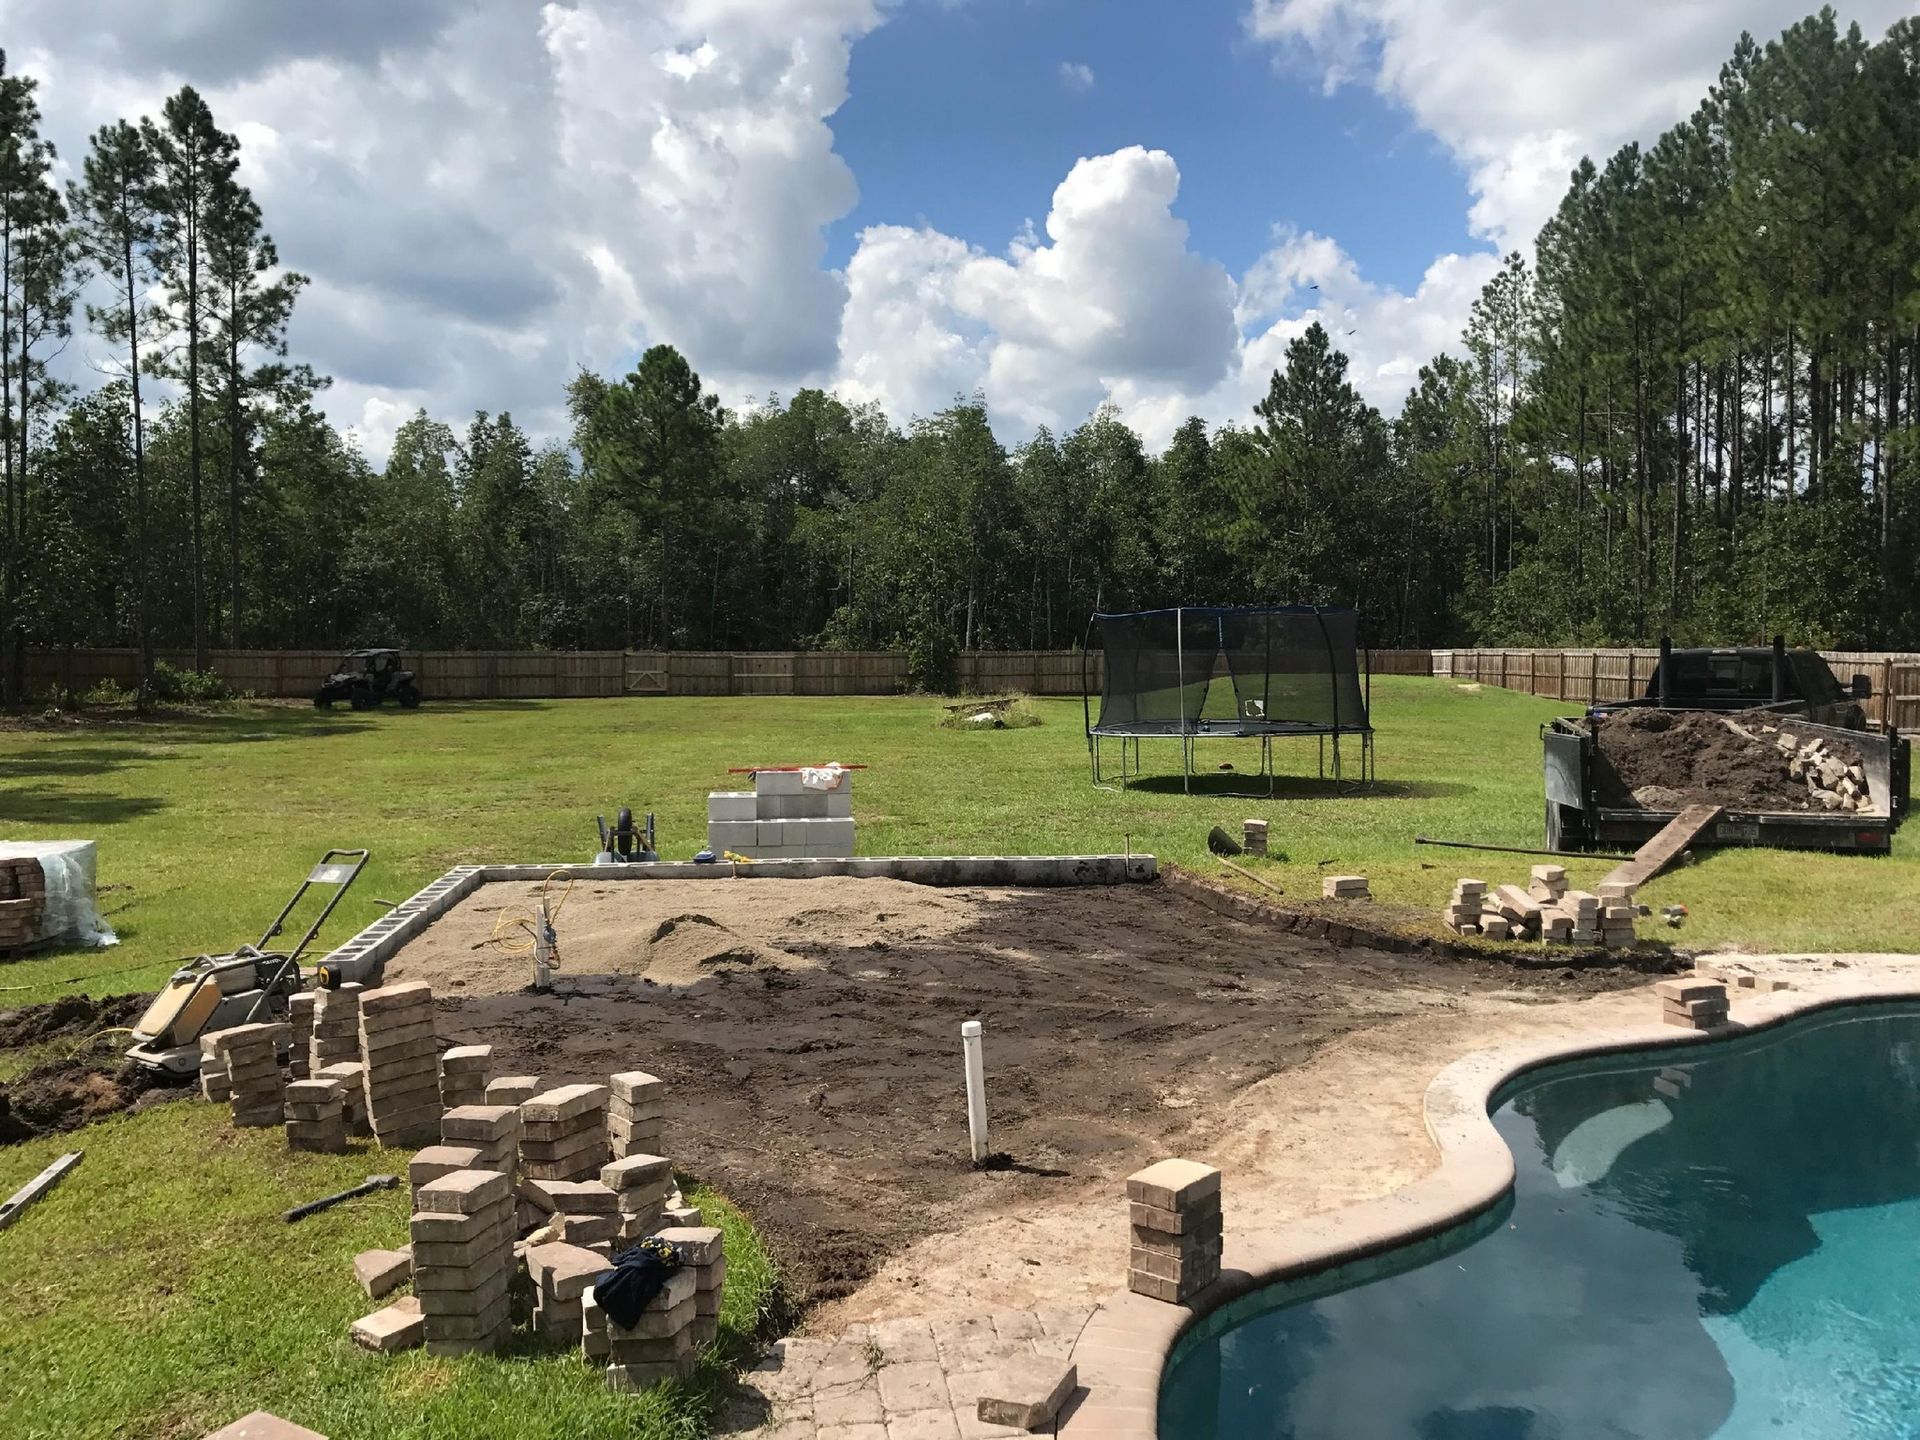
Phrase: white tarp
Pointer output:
(823, 777)
(72, 915)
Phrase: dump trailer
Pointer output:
(1794, 686)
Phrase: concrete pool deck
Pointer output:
(1383, 1139)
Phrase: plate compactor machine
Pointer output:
(217, 992)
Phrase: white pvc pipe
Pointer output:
(976, 1089)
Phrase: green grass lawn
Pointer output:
(157, 1292)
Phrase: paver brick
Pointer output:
(564, 1103)
(262, 1425)
(1173, 1184)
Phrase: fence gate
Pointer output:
(645, 673)
(761, 674)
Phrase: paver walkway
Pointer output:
(895, 1380)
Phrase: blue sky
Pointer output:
(959, 118)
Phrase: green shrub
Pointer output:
(106, 695)
(178, 685)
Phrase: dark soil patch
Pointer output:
(75, 1016)
(827, 1097)
(63, 1095)
(1691, 757)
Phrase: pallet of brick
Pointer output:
(402, 1079)
(463, 1075)
(641, 1185)
(513, 1089)
(255, 1082)
(659, 1345)
(300, 1034)
(636, 1113)
(463, 1264)
(703, 1250)
(316, 1115)
(563, 1133)
(335, 1035)
(353, 1085)
(1547, 883)
(491, 1131)
(1693, 1004)
(1345, 887)
(561, 1273)
(23, 901)
(1173, 1212)
(1462, 915)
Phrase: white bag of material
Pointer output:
(72, 915)
(822, 777)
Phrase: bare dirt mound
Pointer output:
(1663, 759)
(75, 1016)
(828, 1099)
(685, 948)
(66, 1094)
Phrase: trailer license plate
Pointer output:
(1738, 830)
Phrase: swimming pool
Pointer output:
(1715, 1242)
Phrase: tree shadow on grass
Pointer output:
(76, 807)
(1221, 785)
(90, 760)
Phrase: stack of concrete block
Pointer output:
(563, 1133)
(783, 818)
(641, 1185)
(658, 1346)
(1345, 887)
(1695, 1004)
(635, 1113)
(316, 1115)
(561, 1273)
(335, 1037)
(512, 1089)
(432, 1162)
(256, 1087)
(463, 1075)
(463, 1265)
(1253, 835)
(300, 1034)
(492, 1132)
(1462, 915)
(702, 1249)
(402, 1080)
(1173, 1209)
(213, 1068)
(352, 1076)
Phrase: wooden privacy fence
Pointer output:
(529, 674)
(1588, 676)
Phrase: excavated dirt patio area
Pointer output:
(809, 1031)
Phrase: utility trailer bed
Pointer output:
(1576, 820)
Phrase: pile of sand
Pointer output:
(687, 947)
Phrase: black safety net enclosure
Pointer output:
(1247, 672)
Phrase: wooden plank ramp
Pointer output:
(1664, 848)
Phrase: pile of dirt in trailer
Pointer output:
(827, 1097)
(1664, 759)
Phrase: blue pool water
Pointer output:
(1721, 1243)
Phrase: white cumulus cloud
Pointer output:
(1076, 77)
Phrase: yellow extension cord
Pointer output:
(525, 920)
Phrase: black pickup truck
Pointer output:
(1796, 685)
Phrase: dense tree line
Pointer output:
(1694, 412)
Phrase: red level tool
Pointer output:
(752, 769)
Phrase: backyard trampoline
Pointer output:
(1241, 673)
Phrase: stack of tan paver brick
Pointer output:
(491, 1131)
(462, 1242)
(316, 1115)
(1695, 1004)
(300, 1034)
(561, 1273)
(583, 1212)
(213, 1068)
(635, 1113)
(353, 1092)
(641, 1186)
(402, 1081)
(659, 1345)
(1547, 883)
(563, 1133)
(431, 1162)
(1345, 887)
(702, 1249)
(1617, 914)
(335, 1037)
(1253, 837)
(1462, 915)
(1173, 1209)
(23, 902)
(256, 1086)
(463, 1075)
(512, 1089)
